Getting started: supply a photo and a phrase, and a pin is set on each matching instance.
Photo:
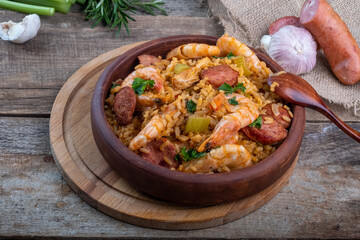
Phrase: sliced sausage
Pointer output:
(267, 134)
(219, 75)
(283, 113)
(148, 60)
(284, 21)
(124, 105)
(157, 150)
(334, 37)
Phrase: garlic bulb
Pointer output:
(293, 48)
(22, 31)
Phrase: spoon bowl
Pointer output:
(296, 90)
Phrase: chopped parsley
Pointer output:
(191, 106)
(241, 87)
(139, 85)
(187, 155)
(114, 86)
(233, 101)
(230, 55)
(217, 147)
(228, 89)
(257, 123)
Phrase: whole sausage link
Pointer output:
(334, 37)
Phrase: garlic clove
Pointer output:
(22, 31)
(294, 49)
(4, 30)
(265, 42)
(15, 31)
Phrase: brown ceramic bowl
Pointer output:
(178, 187)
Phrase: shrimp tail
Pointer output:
(229, 44)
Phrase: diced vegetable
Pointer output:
(197, 124)
(217, 101)
(240, 62)
(257, 123)
(180, 67)
(191, 106)
(187, 155)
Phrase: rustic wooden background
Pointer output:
(322, 199)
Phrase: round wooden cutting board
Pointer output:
(89, 175)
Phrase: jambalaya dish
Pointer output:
(202, 109)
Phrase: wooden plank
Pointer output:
(343, 113)
(32, 73)
(321, 199)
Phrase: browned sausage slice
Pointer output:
(219, 75)
(334, 37)
(124, 105)
(267, 134)
(284, 21)
(161, 152)
(283, 114)
(148, 60)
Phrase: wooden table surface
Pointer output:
(321, 200)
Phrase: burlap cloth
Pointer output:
(249, 20)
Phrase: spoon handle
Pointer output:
(343, 126)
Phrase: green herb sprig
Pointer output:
(187, 155)
(229, 90)
(139, 85)
(116, 13)
(257, 123)
(229, 55)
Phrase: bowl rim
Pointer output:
(98, 118)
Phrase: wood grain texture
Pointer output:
(33, 73)
(321, 199)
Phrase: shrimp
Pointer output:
(147, 73)
(225, 158)
(147, 99)
(193, 50)
(240, 116)
(154, 127)
(230, 44)
(190, 76)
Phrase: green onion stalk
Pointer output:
(26, 8)
(62, 6)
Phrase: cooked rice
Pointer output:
(201, 93)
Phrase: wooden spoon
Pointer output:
(294, 89)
